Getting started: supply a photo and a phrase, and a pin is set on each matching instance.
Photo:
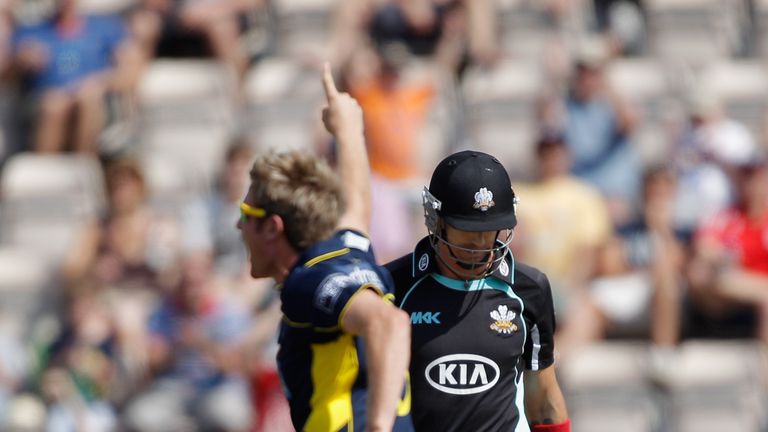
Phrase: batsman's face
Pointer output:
(468, 252)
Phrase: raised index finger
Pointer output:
(330, 87)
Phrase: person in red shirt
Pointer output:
(729, 271)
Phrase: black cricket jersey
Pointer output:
(471, 341)
(323, 369)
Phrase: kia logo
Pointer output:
(462, 374)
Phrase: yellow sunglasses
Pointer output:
(246, 211)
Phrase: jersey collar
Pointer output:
(424, 262)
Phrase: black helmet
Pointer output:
(470, 191)
(474, 192)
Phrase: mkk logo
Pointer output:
(462, 374)
(425, 317)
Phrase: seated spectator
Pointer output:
(69, 63)
(640, 268)
(197, 349)
(712, 136)
(623, 22)
(597, 124)
(70, 408)
(563, 224)
(79, 367)
(178, 28)
(6, 30)
(728, 275)
(708, 148)
(395, 109)
(453, 31)
(132, 247)
(207, 222)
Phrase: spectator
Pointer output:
(207, 221)
(207, 231)
(623, 21)
(712, 136)
(564, 223)
(70, 409)
(395, 110)
(197, 353)
(193, 28)
(708, 148)
(132, 247)
(728, 275)
(78, 376)
(70, 63)
(6, 30)
(452, 30)
(640, 269)
(597, 124)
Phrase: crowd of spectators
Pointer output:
(149, 321)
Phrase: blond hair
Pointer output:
(303, 190)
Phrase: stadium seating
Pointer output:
(606, 385)
(694, 31)
(742, 87)
(40, 213)
(720, 385)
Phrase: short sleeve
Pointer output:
(540, 343)
(112, 31)
(320, 298)
(334, 294)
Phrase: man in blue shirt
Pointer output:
(343, 347)
(68, 64)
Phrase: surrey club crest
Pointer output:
(503, 323)
(484, 199)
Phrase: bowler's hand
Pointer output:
(343, 116)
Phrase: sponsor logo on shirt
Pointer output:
(425, 318)
(332, 286)
(365, 276)
(423, 262)
(329, 291)
(462, 374)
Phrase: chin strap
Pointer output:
(560, 427)
(496, 256)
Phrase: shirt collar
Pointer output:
(425, 262)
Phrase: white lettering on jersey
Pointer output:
(331, 287)
(449, 373)
(329, 291)
(446, 374)
(364, 276)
